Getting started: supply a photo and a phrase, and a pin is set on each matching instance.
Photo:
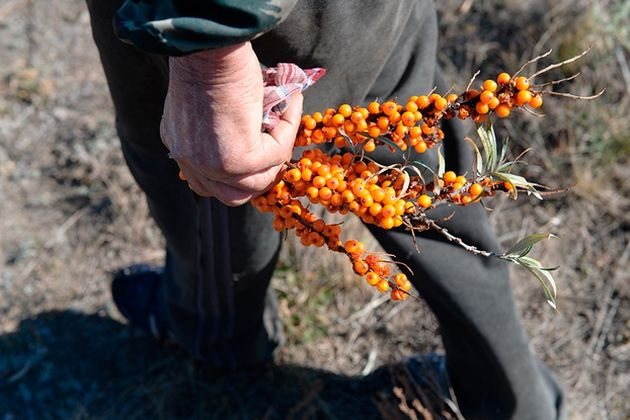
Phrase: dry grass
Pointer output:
(70, 213)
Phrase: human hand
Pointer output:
(211, 124)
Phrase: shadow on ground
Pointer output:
(65, 364)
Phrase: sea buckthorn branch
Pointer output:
(397, 195)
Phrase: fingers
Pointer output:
(250, 173)
(231, 195)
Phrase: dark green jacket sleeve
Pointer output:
(178, 27)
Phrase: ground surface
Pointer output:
(70, 214)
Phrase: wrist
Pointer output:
(209, 67)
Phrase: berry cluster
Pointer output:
(416, 123)
(388, 197)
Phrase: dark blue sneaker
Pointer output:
(135, 290)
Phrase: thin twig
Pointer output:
(560, 64)
(532, 61)
(472, 79)
(452, 238)
(555, 82)
(571, 95)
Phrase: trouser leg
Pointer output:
(489, 363)
(219, 259)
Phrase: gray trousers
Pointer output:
(220, 260)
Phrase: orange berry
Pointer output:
(374, 107)
(366, 200)
(466, 200)
(415, 132)
(523, 97)
(522, 83)
(293, 175)
(312, 193)
(486, 96)
(347, 196)
(407, 118)
(387, 223)
(394, 117)
(423, 102)
(382, 286)
(475, 190)
(345, 110)
(503, 78)
(383, 123)
(375, 209)
(389, 108)
(482, 108)
(421, 146)
(424, 201)
(427, 129)
(402, 281)
(377, 194)
(359, 188)
(352, 246)
(440, 103)
(310, 123)
(349, 127)
(338, 119)
(449, 177)
(411, 106)
(536, 101)
(359, 167)
(397, 295)
(340, 142)
(336, 200)
(319, 181)
(490, 85)
(307, 174)
(374, 131)
(503, 110)
(369, 146)
(452, 97)
(494, 102)
(390, 196)
(332, 183)
(318, 225)
(332, 230)
(388, 210)
(325, 193)
(372, 278)
(317, 116)
(356, 117)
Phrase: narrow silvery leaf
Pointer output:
(478, 164)
(489, 143)
(441, 162)
(522, 247)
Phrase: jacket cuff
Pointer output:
(177, 27)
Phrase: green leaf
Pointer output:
(518, 182)
(489, 144)
(441, 162)
(504, 149)
(478, 160)
(543, 276)
(522, 247)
